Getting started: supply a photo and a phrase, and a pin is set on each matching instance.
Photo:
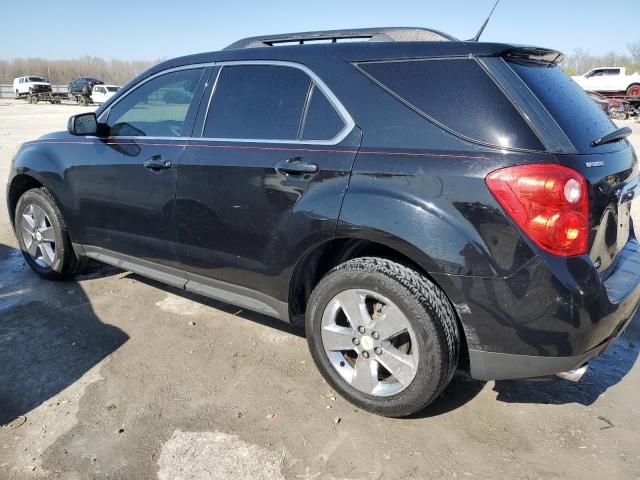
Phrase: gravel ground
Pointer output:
(112, 375)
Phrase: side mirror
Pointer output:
(83, 124)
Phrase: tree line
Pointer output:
(581, 60)
(61, 72)
(119, 72)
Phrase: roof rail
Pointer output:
(386, 34)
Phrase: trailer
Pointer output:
(633, 103)
(82, 98)
(52, 97)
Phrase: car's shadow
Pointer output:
(49, 336)
(604, 372)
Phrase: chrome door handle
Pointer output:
(296, 166)
(156, 163)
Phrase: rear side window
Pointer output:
(270, 102)
(576, 114)
(257, 102)
(458, 94)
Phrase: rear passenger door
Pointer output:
(265, 180)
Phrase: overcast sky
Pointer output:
(163, 29)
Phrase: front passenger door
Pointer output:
(125, 182)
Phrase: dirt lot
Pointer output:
(112, 375)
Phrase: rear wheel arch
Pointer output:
(322, 258)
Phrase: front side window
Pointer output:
(156, 108)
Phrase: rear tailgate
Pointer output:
(611, 169)
(613, 186)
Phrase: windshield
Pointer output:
(113, 89)
(36, 79)
(577, 115)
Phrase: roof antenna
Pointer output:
(484, 25)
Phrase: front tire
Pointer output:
(43, 237)
(382, 335)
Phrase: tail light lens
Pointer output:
(549, 202)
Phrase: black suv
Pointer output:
(81, 88)
(423, 204)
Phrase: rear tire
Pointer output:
(633, 90)
(43, 237)
(401, 350)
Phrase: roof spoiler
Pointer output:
(536, 55)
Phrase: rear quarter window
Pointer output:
(460, 96)
(321, 122)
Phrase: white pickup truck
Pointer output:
(610, 79)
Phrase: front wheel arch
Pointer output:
(19, 185)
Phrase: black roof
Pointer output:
(349, 51)
(378, 44)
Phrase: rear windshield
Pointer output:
(577, 115)
(112, 89)
(458, 94)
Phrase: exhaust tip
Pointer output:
(574, 375)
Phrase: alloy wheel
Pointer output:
(38, 235)
(369, 342)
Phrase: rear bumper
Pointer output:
(504, 366)
(553, 316)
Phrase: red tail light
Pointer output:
(549, 202)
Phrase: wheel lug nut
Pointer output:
(375, 335)
(365, 354)
(361, 329)
(356, 342)
(378, 350)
